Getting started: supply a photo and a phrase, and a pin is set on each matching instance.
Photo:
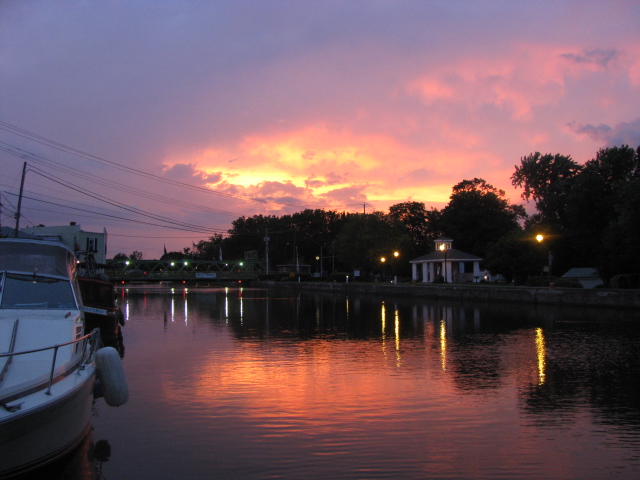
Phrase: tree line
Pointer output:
(588, 216)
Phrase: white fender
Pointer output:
(112, 378)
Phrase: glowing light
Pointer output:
(539, 238)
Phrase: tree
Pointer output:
(136, 255)
(313, 230)
(546, 179)
(208, 249)
(120, 256)
(174, 256)
(413, 216)
(366, 238)
(604, 207)
(297, 237)
(477, 215)
(589, 210)
(622, 237)
(515, 256)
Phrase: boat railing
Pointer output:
(89, 344)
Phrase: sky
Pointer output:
(164, 121)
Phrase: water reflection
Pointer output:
(540, 351)
(83, 463)
(443, 344)
(290, 385)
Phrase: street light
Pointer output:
(443, 248)
(540, 238)
(396, 254)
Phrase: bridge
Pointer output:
(184, 270)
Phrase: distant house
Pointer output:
(75, 238)
(587, 277)
(446, 264)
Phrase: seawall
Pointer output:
(479, 293)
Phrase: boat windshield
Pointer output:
(32, 291)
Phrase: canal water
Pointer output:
(233, 383)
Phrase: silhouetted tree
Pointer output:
(365, 238)
(413, 215)
(547, 180)
(478, 215)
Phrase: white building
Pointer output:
(587, 277)
(75, 238)
(446, 264)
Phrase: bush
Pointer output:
(567, 283)
(537, 281)
(627, 280)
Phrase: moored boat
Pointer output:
(100, 307)
(47, 361)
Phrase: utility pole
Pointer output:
(266, 240)
(24, 171)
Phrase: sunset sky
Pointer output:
(270, 107)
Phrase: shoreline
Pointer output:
(480, 293)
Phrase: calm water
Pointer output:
(259, 384)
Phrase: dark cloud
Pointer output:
(330, 178)
(598, 56)
(187, 172)
(625, 133)
(347, 195)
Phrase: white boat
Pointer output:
(48, 366)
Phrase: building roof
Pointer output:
(582, 273)
(8, 232)
(452, 255)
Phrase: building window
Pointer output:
(92, 244)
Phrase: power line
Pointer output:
(101, 181)
(177, 226)
(15, 130)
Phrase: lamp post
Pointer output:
(383, 260)
(394, 268)
(443, 248)
(540, 238)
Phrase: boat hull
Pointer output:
(100, 308)
(47, 427)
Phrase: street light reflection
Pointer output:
(542, 354)
(443, 344)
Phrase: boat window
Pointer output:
(29, 291)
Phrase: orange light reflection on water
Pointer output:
(541, 354)
(443, 344)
